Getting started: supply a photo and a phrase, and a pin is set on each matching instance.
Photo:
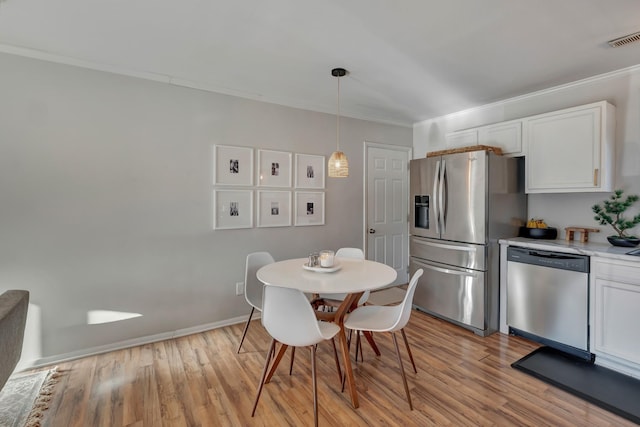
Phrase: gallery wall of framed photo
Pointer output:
(285, 188)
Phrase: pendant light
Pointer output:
(338, 163)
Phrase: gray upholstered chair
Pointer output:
(13, 318)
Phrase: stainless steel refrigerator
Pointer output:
(461, 204)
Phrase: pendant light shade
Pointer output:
(338, 163)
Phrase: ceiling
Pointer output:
(408, 60)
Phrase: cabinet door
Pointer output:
(506, 135)
(569, 151)
(615, 303)
(462, 138)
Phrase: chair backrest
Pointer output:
(289, 318)
(354, 253)
(253, 287)
(350, 253)
(404, 308)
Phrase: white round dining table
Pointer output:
(353, 277)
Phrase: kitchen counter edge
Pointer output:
(603, 250)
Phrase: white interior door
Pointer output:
(387, 201)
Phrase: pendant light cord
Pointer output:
(338, 118)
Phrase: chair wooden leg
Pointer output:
(406, 343)
(293, 355)
(315, 385)
(246, 327)
(358, 346)
(276, 362)
(335, 355)
(272, 353)
(264, 374)
(369, 336)
(404, 377)
(344, 375)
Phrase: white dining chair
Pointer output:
(376, 318)
(289, 319)
(253, 288)
(334, 300)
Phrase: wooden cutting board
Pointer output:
(584, 236)
(496, 150)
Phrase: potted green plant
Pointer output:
(610, 212)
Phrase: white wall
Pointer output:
(106, 199)
(621, 88)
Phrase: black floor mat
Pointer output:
(603, 387)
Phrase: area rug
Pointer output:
(25, 397)
(608, 389)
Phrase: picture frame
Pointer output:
(232, 165)
(274, 168)
(310, 171)
(309, 208)
(274, 208)
(232, 209)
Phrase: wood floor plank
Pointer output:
(200, 381)
(131, 410)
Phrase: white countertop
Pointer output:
(604, 250)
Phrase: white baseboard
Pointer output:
(59, 358)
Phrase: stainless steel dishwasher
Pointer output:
(548, 298)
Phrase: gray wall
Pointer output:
(106, 199)
(622, 89)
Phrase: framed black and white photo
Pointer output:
(232, 209)
(309, 171)
(232, 165)
(274, 208)
(274, 168)
(309, 208)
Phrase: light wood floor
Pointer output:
(199, 380)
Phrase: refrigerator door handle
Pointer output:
(436, 178)
(443, 174)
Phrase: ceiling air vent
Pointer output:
(621, 41)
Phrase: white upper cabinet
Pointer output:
(566, 151)
(506, 135)
(462, 138)
(571, 150)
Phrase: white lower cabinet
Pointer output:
(615, 314)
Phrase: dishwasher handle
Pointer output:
(554, 255)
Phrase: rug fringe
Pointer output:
(41, 403)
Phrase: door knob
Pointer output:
(372, 231)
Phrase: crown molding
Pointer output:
(582, 82)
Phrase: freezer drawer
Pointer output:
(455, 294)
(465, 255)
